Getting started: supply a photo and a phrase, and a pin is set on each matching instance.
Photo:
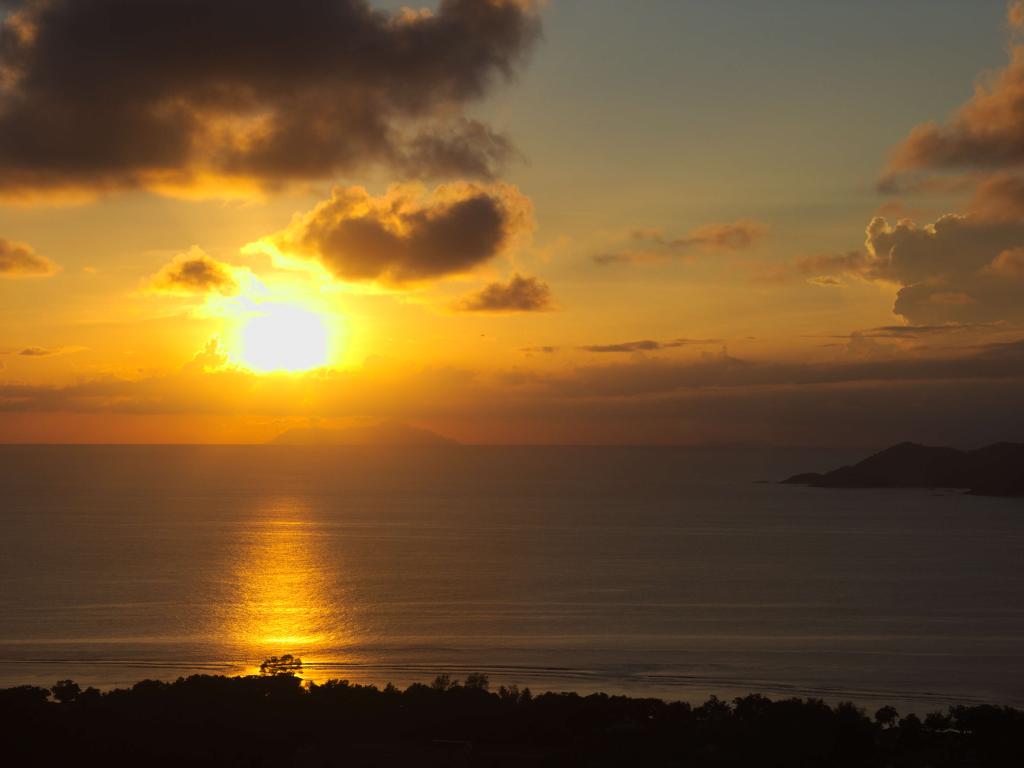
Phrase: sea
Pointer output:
(678, 573)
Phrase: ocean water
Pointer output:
(665, 572)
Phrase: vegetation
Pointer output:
(285, 665)
(276, 719)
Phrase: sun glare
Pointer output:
(284, 337)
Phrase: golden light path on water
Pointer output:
(283, 604)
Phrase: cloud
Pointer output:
(407, 234)
(963, 268)
(178, 94)
(969, 395)
(36, 351)
(733, 236)
(608, 259)
(999, 197)
(1015, 14)
(519, 294)
(646, 345)
(194, 272)
(918, 331)
(1009, 264)
(894, 341)
(831, 264)
(20, 260)
(210, 358)
(193, 389)
(946, 269)
(653, 245)
(985, 132)
(960, 269)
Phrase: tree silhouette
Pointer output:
(280, 666)
(65, 691)
(442, 683)
(478, 681)
(887, 716)
(938, 721)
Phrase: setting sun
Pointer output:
(284, 337)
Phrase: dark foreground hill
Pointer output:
(279, 721)
(996, 470)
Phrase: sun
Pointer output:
(283, 337)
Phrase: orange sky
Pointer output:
(483, 225)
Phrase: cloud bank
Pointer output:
(965, 397)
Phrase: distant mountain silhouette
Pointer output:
(385, 433)
(996, 470)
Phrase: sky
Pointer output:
(513, 221)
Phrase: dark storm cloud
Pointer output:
(36, 352)
(408, 235)
(20, 260)
(519, 294)
(646, 345)
(168, 93)
(195, 272)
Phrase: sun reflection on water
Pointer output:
(283, 604)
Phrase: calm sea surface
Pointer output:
(661, 572)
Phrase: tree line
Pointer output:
(277, 719)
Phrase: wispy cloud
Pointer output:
(652, 245)
(647, 345)
(21, 260)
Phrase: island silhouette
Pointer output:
(995, 470)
